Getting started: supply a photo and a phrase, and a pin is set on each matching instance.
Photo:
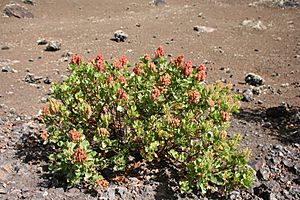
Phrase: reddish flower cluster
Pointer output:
(122, 79)
(211, 103)
(76, 59)
(165, 80)
(103, 132)
(201, 74)
(123, 60)
(152, 67)
(155, 93)
(147, 57)
(187, 69)
(159, 52)
(74, 135)
(194, 96)
(110, 79)
(225, 116)
(118, 64)
(179, 61)
(100, 63)
(102, 183)
(138, 69)
(175, 122)
(122, 94)
(79, 155)
(46, 110)
(44, 135)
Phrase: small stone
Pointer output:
(120, 36)
(157, 2)
(31, 60)
(285, 85)
(259, 164)
(204, 29)
(253, 24)
(16, 10)
(53, 46)
(200, 14)
(264, 173)
(248, 95)
(288, 163)
(42, 41)
(254, 79)
(257, 90)
(30, 2)
(4, 47)
(7, 69)
(47, 81)
(31, 78)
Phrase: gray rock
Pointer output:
(253, 24)
(254, 79)
(157, 2)
(120, 36)
(47, 81)
(248, 95)
(16, 10)
(53, 46)
(264, 173)
(257, 90)
(31, 78)
(204, 29)
(8, 69)
(4, 47)
(42, 41)
(30, 2)
(288, 163)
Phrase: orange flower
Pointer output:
(159, 52)
(137, 69)
(201, 68)
(147, 57)
(122, 94)
(118, 64)
(99, 57)
(188, 69)
(165, 80)
(100, 65)
(102, 183)
(200, 76)
(211, 103)
(110, 79)
(225, 116)
(175, 122)
(122, 79)
(44, 135)
(152, 67)
(179, 61)
(123, 60)
(79, 155)
(76, 59)
(103, 132)
(194, 96)
(45, 110)
(155, 93)
(74, 135)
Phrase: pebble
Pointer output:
(254, 24)
(53, 46)
(8, 69)
(42, 41)
(204, 29)
(16, 10)
(120, 36)
(4, 47)
(31, 78)
(254, 79)
(247, 95)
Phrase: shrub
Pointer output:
(163, 111)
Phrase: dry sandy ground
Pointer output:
(86, 27)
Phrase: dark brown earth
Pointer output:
(87, 27)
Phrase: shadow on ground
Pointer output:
(282, 121)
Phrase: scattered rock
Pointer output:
(248, 95)
(285, 85)
(8, 69)
(4, 47)
(157, 2)
(120, 36)
(263, 173)
(253, 79)
(47, 81)
(42, 41)
(16, 10)
(30, 2)
(53, 46)
(31, 78)
(204, 29)
(253, 24)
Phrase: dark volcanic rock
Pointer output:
(254, 79)
(53, 46)
(120, 36)
(16, 10)
(248, 95)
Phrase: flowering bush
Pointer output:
(103, 114)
